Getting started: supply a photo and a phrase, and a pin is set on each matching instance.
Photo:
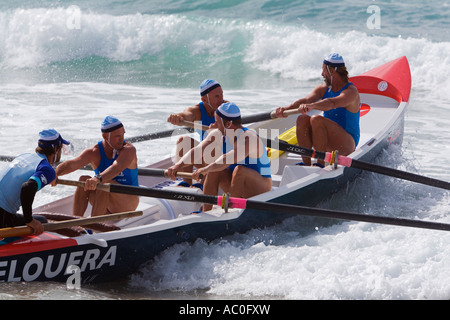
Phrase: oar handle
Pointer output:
(25, 230)
(193, 125)
(154, 172)
(286, 113)
(101, 186)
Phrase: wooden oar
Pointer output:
(266, 116)
(353, 163)
(261, 205)
(25, 230)
(153, 172)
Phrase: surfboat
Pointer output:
(109, 255)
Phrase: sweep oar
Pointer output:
(161, 134)
(25, 230)
(357, 164)
(266, 116)
(152, 172)
(247, 119)
(239, 203)
(189, 126)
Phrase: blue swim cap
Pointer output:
(229, 111)
(334, 60)
(50, 138)
(110, 124)
(207, 86)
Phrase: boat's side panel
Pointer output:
(52, 264)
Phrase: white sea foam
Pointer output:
(36, 37)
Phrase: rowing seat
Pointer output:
(296, 173)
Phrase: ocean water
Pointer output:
(68, 64)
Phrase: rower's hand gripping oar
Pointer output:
(267, 116)
(239, 203)
(164, 173)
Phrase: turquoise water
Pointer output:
(67, 64)
(179, 43)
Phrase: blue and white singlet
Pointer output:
(126, 177)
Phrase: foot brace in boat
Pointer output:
(314, 164)
(187, 185)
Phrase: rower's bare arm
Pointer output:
(348, 99)
(189, 114)
(85, 158)
(314, 96)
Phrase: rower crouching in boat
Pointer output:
(338, 128)
(236, 158)
(114, 161)
(24, 177)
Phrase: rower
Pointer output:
(114, 161)
(212, 97)
(239, 164)
(24, 177)
(338, 128)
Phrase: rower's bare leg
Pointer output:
(212, 182)
(122, 203)
(328, 136)
(304, 135)
(80, 199)
(246, 183)
(99, 200)
(184, 144)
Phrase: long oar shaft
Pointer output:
(266, 116)
(342, 215)
(160, 134)
(352, 163)
(265, 206)
(400, 174)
